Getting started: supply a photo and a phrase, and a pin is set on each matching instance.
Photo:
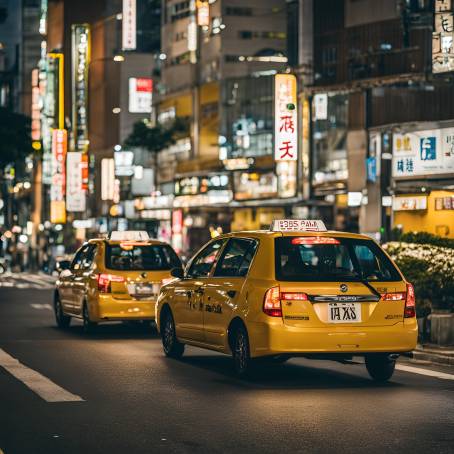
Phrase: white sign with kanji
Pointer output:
(423, 153)
(129, 29)
(285, 118)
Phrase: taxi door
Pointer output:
(188, 307)
(66, 289)
(82, 277)
(223, 290)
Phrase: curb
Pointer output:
(436, 357)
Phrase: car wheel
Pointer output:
(172, 347)
(62, 320)
(88, 324)
(240, 352)
(380, 366)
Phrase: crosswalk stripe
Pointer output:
(427, 372)
(38, 383)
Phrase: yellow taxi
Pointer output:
(114, 279)
(295, 290)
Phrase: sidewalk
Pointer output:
(434, 354)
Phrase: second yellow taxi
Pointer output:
(295, 290)
(114, 279)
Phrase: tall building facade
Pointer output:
(377, 81)
(218, 63)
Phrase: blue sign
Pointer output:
(428, 148)
(371, 166)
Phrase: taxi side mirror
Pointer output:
(177, 272)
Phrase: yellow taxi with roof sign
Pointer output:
(114, 279)
(295, 290)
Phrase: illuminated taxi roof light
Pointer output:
(129, 235)
(298, 225)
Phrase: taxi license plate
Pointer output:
(141, 289)
(344, 312)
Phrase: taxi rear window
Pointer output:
(330, 259)
(141, 258)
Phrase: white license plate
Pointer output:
(344, 312)
(140, 289)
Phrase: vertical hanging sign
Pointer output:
(129, 38)
(285, 118)
(443, 37)
(75, 195)
(80, 62)
(58, 187)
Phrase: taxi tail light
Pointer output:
(105, 280)
(314, 240)
(398, 296)
(410, 302)
(294, 296)
(272, 302)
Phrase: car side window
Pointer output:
(203, 262)
(236, 258)
(88, 257)
(76, 264)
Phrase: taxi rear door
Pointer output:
(188, 305)
(223, 290)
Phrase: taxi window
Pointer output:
(236, 258)
(203, 262)
(77, 262)
(141, 258)
(332, 259)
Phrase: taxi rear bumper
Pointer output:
(273, 339)
(110, 308)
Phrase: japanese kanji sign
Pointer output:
(423, 153)
(58, 187)
(285, 119)
(129, 28)
(443, 37)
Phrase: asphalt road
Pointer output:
(129, 398)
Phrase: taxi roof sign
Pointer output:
(298, 225)
(129, 235)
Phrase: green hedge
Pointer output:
(430, 268)
(423, 238)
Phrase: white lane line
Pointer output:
(429, 373)
(39, 384)
(33, 280)
(41, 306)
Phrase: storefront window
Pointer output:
(247, 123)
(330, 140)
(255, 185)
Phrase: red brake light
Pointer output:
(315, 240)
(410, 303)
(393, 296)
(272, 302)
(294, 296)
(104, 281)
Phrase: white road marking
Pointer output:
(427, 372)
(41, 306)
(39, 384)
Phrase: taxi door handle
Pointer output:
(231, 293)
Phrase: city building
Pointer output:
(219, 59)
(377, 88)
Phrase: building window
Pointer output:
(238, 11)
(180, 59)
(247, 34)
(179, 11)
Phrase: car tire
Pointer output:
(241, 354)
(170, 344)
(61, 319)
(380, 366)
(88, 325)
